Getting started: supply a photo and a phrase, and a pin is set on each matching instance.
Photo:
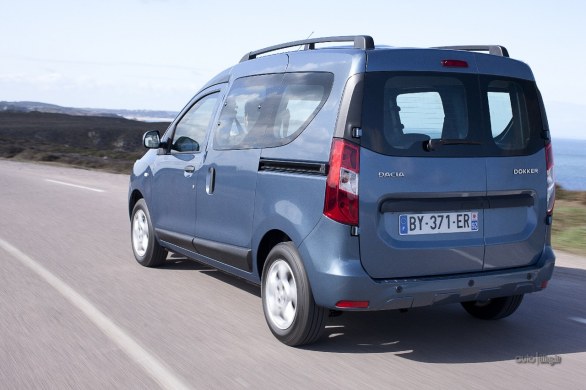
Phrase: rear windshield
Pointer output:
(450, 115)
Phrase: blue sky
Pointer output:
(155, 54)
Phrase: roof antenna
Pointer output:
(309, 36)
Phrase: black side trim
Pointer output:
(517, 200)
(432, 204)
(235, 256)
(289, 166)
(177, 239)
(450, 204)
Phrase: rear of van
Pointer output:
(446, 175)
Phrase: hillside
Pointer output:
(149, 115)
(111, 143)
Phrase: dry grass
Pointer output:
(106, 143)
(569, 224)
(571, 196)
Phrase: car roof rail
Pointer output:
(496, 50)
(363, 42)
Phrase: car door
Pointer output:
(176, 168)
(515, 225)
(421, 204)
(225, 205)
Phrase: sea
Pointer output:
(569, 156)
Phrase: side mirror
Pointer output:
(151, 139)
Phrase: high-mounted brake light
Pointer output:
(341, 198)
(550, 178)
(454, 64)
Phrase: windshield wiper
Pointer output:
(433, 144)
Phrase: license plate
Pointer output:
(434, 223)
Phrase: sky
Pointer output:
(155, 54)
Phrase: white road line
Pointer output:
(150, 364)
(74, 185)
(578, 319)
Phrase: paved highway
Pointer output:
(77, 311)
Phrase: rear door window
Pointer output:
(508, 115)
(464, 115)
(421, 113)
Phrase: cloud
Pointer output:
(39, 79)
(97, 90)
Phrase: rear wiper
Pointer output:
(432, 144)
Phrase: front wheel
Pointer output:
(288, 305)
(145, 246)
(493, 309)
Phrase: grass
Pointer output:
(569, 222)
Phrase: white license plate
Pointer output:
(434, 223)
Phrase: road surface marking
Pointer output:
(74, 185)
(150, 364)
(578, 319)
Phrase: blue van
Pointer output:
(357, 177)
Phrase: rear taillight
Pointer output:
(550, 178)
(341, 201)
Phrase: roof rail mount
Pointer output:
(363, 42)
(496, 50)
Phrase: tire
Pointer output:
(288, 305)
(493, 309)
(145, 246)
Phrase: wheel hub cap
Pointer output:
(140, 233)
(281, 294)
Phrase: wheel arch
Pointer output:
(268, 242)
(134, 197)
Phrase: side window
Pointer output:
(508, 115)
(270, 110)
(247, 111)
(191, 129)
(299, 104)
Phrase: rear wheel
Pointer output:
(288, 305)
(147, 250)
(493, 309)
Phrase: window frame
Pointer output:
(169, 135)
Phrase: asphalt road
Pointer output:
(77, 311)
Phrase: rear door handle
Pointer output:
(210, 180)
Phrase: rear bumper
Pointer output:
(336, 274)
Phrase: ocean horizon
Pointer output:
(569, 156)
